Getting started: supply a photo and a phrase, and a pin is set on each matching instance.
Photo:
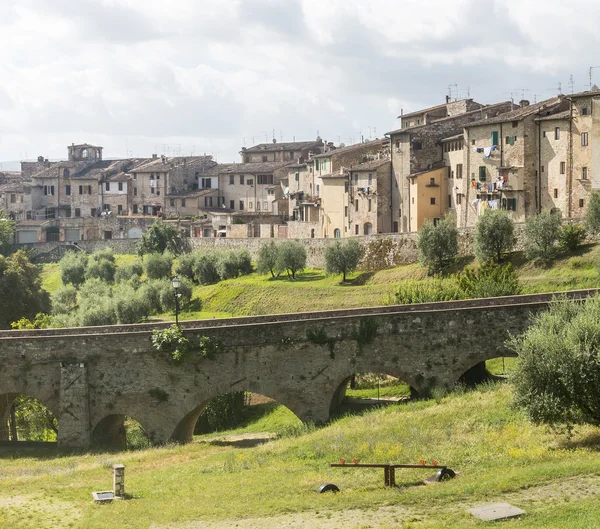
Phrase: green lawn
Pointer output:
(498, 454)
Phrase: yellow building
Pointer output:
(428, 196)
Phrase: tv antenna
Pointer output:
(592, 68)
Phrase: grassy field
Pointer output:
(314, 290)
(212, 483)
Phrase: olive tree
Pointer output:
(541, 234)
(494, 235)
(292, 258)
(343, 258)
(592, 217)
(438, 244)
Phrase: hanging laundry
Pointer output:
(493, 204)
(473, 183)
(477, 149)
(490, 187)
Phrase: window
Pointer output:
(241, 205)
(135, 209)
(250, 182)
(417, 145)
(510, 204)
(356, 205)
(336, 233)
(544, 133)
(264, 179)
(581, 202)
(232, 204)
(432, 181)
(458, 199)
(370, 180)
(158, 191)
(584, 139)
(356, 229)
(324, 165)
(158, 176)
(432, 201)
(231, 179)
(297, 177)
(48, 190)
(318, 189)
(241, 179)
(172, 202)
(152, 190)
(584, 173)
(472, 142)
(482, 173)
(135, 191)
(563, 167)
(355, 179)
(494, 137)
(555, 193)
(135, 177)
(557, 133)
(316, 165)
(183, 202)
(291, 155)
(120, 185)
(515, 124)
(258, 206)
(77, 212)
(345, 211)
(265, 158)
(68, 190)
(89, 190)
(93, 212)
(368, 228)
(542, 168)
(584, 111)
(266, 204)
(459, 170)
(510, 140)
(206, 183)
(369, 205)
(119, 209)
(346, 187)
(13, 199)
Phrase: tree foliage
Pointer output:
(541, 234)
(158, 265)
(592, 217)
(162, 237)
(438, 244)
(343, 258)
(291, 257)
(489, 281)
(557, 380)
(494, 235)
(267, 259)
(101, 265)
(570, 236)
(7, 232)
(20, 289)
(72, 268)
(129, 271)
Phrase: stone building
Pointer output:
(427, 195)
(281, 152)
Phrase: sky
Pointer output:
(183, 77)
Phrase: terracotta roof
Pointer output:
(164, 164)
(560, 115)
(370, 165)
(435, 167)
(520, 113)
(455, 137)
(289, 146)
(375, 143)
(192, 193)
(424, 111)
(588, 93)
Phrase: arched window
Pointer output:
(337, 233)
(368, 228)
(85, 153)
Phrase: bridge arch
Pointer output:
(183, 431)
(41, 423)
(111, 432)
(472, 369)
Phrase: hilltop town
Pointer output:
(460, 156)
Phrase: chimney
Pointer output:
(524, 103)
(154, 156)
(274, 140)
(447, 99)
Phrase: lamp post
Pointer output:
(176, 282)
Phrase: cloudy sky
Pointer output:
(208, 76)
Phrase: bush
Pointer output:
(100, 313)
(163, 237)
(149, 291)
(570, 237)
(127, 272)
(227, 265)
(438, 244)
(185, 266)
(205, 269)
(130, 306)
(64, 300)
(489, 281)
(101, 265)
(541, 233)
(72, 268)
(592, 218)
(291, 257)
(267, 259)
(494, 235)
(158, 266)
(557, 378)
(426, 291)
(167, 295)
(244, 263)
(343, 258)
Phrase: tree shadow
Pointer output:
(358, 281)
(241, 443)
(29, 450)
(590, 441)
(459, 264)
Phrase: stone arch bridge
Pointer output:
(92, 377)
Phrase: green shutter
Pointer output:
(482, 173)
(495, 137)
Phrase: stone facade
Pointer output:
(91, 378)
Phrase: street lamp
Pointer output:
(176, 282)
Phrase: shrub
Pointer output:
(268, 258)
(488, 281)
(291, 257)
(592, 217)
(570, 237)
(244, 263)
(227, 265)
(149, 291)
(130, 306)
(101, 313)
(541, 233)
(205, 269)
(64, 300)
(167, 295)
(185, 266)
(101, 265)
(162, 237)
(557, 378)
(426, 291)
(343, 258)
(72, 268)
(158, 266)
(438, 244)
(126, 272)
(494, 235)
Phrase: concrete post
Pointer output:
(119, 481)
(74, 412)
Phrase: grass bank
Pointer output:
(498, 454)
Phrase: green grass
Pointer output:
(499, 455)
